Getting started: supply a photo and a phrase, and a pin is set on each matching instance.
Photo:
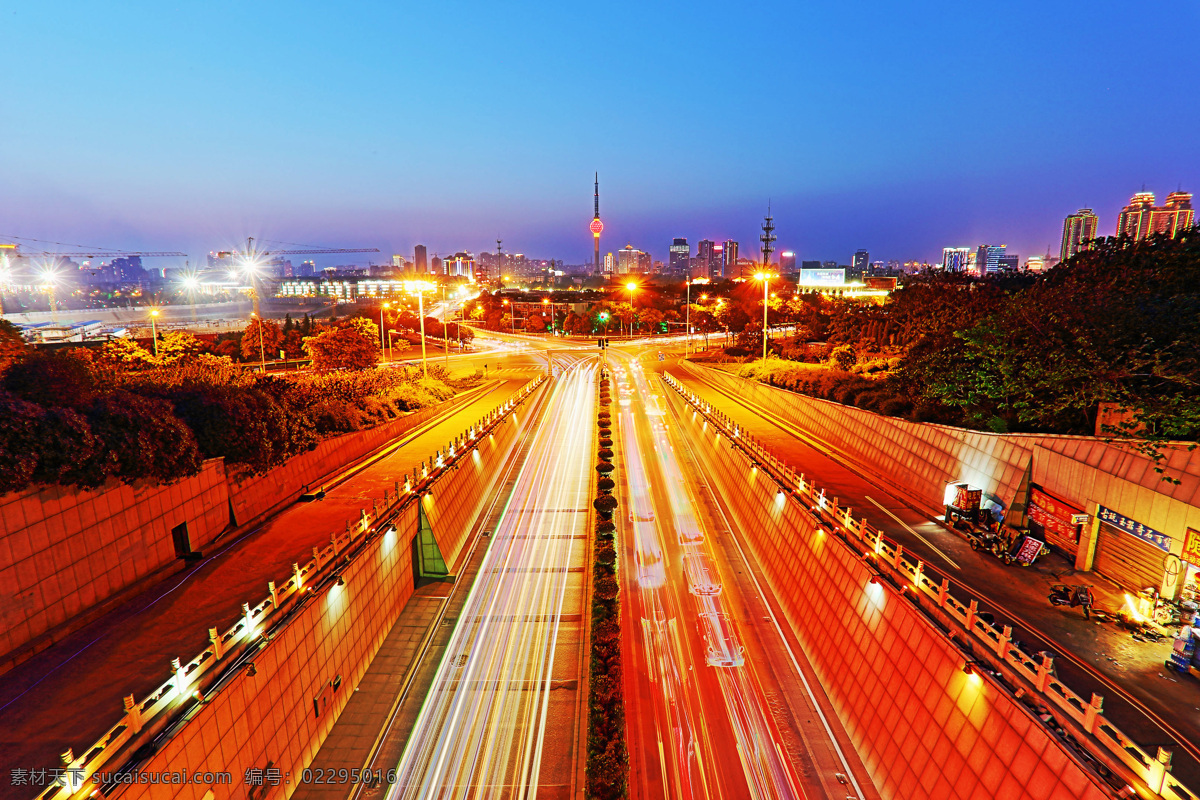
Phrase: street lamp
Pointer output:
(420, 287)
(262, 352)
(687, 324)
(154, 330)
(445, 328)
(631, 287)
(765, 277)
(382, 343)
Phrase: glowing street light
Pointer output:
(687, 323)
(154, 330)
(631, 287)
(382, 344)
(420, 287)
(765, 277)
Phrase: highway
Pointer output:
(483, 725)
(715, 701)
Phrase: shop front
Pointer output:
(1190, 562)
(1130, 553)
(1055, 521)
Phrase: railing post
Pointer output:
(297, 578)
(247, 618)
(898, 558)
(1093, 710)
(180, 677)
(1045, 664)
(133, 714)
(943, 592)
(972, 614)
(218, 646)
(1005, 638)
(274, 594)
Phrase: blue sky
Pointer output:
(898, 127)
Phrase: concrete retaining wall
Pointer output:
(65, 551)
(923, 728)
(916, 460)
(269, 720)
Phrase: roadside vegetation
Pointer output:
(1118, 324)
(79, 417)
(607, 750)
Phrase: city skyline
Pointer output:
(184, 170)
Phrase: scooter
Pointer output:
(1073, 596)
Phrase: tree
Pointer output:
(59, 378)
(177, 346)
(125, 354)
(272, 337)
(342, 348)
(137, 437)
(293, 343)
(19, 443)
(12, 345)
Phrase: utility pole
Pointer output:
(499, 263)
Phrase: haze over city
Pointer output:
(901, 129)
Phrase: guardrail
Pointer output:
(914, 580)
(226, 651)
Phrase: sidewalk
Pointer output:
(1095, 656)
(70, 694)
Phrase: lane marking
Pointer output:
(908, 528)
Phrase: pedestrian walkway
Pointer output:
(70, 694)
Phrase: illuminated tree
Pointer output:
(272, 338)
(343, 348)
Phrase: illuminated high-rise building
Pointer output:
(988, 258)
(1134, 220)
(729, 255)
(861, 262)
(1141, 218)
(1078, 229)
(705, 252)
(954, 259)
(681, 252)
(610, 264)
(787, 261)
(420, 262)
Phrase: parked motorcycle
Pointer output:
(1074, 596)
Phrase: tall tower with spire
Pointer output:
(597, 226)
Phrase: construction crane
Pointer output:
(13, 250)
(251, 256)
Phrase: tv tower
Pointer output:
(597, 226)
(768, 237)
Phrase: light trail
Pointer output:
(481, 727)
(766, 773)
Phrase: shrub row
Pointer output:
(608, 754)
(70, 419)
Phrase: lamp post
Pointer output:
(631, 287)
(765, 277)
(154, 330)
(419, 287)
(687, 324)
(262, 352)
(445, 329)
(382, 342)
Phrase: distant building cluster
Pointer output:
(1140, 219)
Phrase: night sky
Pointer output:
(898, 127)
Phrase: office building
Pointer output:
(1009, 263)
(631, 261)
(397, 261)
(954, 259)
(435, 265)
(787, 262)
(729, 257)
(306, 269)
(1078, 229)
(987, 258)
(810, 265)
(1035, 264)
(420, 259)
(681, 253)
(861, 262)
(716, 266)
(829, 265)
(1141, 218)
(461, 265)
(610, 264)
(704, 255)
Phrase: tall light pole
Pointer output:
(445, 328)
(765, 277)
(262, 352)
(382, 343)
(631, 287)
(687, 324)
(154, 330)
(419, 287)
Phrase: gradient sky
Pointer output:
(898, 127)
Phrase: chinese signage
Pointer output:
(822, 277)
(1053, 515)
(1191, 547)
(1160, 540)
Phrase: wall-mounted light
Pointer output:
(969, 668)
(251, 670)
(341, 581)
